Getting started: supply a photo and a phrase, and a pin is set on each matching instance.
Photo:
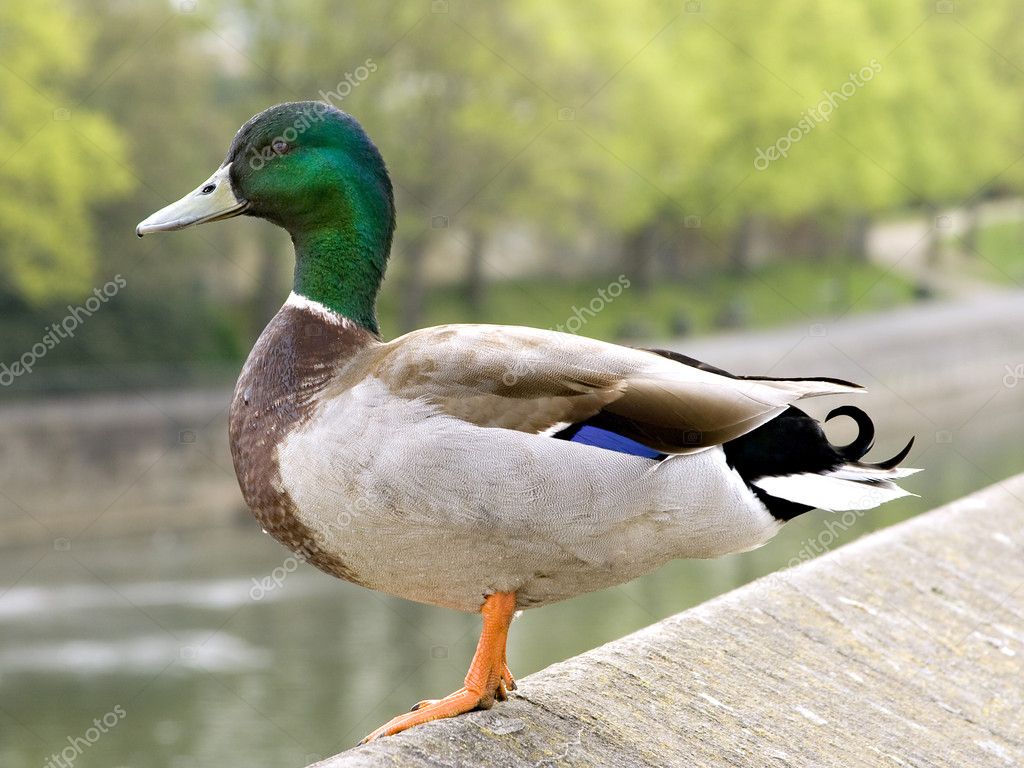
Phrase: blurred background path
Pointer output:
(940, 252)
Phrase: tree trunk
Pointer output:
(690, 254)
(267, 299)
(411, 288)
(858, 227)
(475, 286)
(970, 238)
(742, 246)
(933, 250)
(638, 258)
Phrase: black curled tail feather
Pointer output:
(853, 452)
(895, 460)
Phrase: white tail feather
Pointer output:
(849, 487)
(861, 474)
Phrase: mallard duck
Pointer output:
(487, 468)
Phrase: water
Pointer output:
(221, 649)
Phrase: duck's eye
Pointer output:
(207, 189)
(279, 147)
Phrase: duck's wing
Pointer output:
(543, 381)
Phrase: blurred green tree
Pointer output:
(60, 160)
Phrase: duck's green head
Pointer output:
(311, 169)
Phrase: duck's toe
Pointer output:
(421, 704)
(460, 702)
(508, 679)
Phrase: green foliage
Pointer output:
(999, 255)
(787, 292)
(60, 159)
(629, 134)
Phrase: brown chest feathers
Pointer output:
(295, 357)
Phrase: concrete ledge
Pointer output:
(905, 648)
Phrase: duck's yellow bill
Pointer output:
(213, 200)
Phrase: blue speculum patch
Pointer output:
(611, 441)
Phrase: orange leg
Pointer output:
(488, 678)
